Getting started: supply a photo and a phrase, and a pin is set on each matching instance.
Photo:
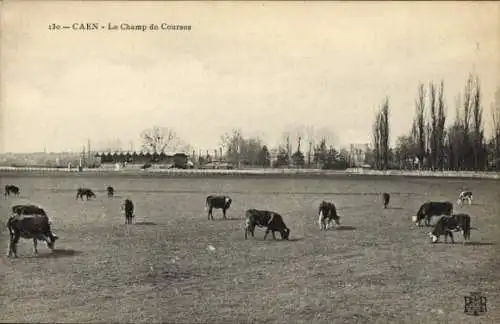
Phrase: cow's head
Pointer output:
(336, 220)
(433, 237)
(285, 234)
(52, 242)
(227, 202)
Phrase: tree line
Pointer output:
(433, 141)
(430, 144)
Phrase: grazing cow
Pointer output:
(111, 191)
(432, 208)
(84, 192)
(327, 212)
(446, 225)
(128, 208)
(217, 202)
(465, 196)
(385, 199)
(29, 226)
(11, 189)
(264, 218)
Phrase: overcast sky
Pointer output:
(266, 68)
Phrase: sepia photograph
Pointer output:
(249, 161)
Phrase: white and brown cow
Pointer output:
(217, 202)
(326, 213)
(272, 221)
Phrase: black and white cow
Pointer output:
(111, 191)
(11, 189)
(432, 208)
(84, 192)
(446, 225)
(465, 196)
(128, 209)
(217, 202)
(272, 221)
(385, 199)
(29, 226)
(326, 213)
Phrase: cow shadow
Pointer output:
(343, 228)
(395, 208)
(59, 253)
(474, 243)
(145, 223)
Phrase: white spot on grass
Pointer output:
(211, 248)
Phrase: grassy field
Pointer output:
(377, 268)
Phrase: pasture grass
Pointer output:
(376, 268)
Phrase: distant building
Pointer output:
(357, 154)
(177, 159)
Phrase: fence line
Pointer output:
(236, 172)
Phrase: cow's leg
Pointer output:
(320, 220)
(11, 239)
(224, 213)
(451, 237)
(13, 243)
(35, 243)
(210, 212)
(274, 236)
(267, 232)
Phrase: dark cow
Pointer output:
(217, 202)
(29, 226)
(264, 218)
(446, 225)
(326, 213)
(11, 189)
(128, 209)
(28, 210)
(84, 192)
(432, 208)
(385, 199)
(465, 196)
(111, 191)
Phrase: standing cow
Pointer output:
(465, 196)
(111, 191)
(385, 199)
(29, 225)
(217, 202)
(11, 189)
(128, 209)
(84, 192)
(326, 213)
(432, 208)
(264, 218)
(446, 225)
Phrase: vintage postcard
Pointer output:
(249, 162)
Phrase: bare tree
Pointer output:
(432, 129)
(441, 121)
(477, 128)
(495, 140)
(159, 139)
(418, 128)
